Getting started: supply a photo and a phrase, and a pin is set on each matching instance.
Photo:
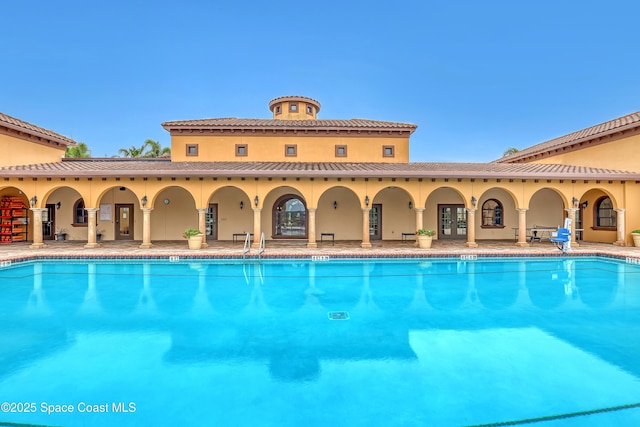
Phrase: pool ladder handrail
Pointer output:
(247, 246)
(261, 248)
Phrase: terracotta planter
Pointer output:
(195, 242)
(636, 239)
(424, 242)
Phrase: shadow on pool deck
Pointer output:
(297, 248)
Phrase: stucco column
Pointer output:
(571, 214)
(522, 227)
(366, 239)
(312, 228)
(202, 225)
(37, 228)
(91, 228)
(257, 230)
(146, 228)
(419, 221)
(620, 235)
(471, 228)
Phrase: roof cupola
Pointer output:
(294, 108)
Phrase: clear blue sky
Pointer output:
(476, 76)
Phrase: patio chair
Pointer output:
(561, 241)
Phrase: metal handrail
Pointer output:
(261, 248)
(247, 246)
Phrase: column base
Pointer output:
(312, 245)
(92, 245)
(365, 245)
(37, 246)
(471, 245)
(146, 246)
(204, 245)
(619, 243)
(255, 246)
(522, 244)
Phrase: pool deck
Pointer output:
(297, 249)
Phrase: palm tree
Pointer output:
(132, 152)
(509, 151)
(149, 148)
(155, 149)
(80, 150)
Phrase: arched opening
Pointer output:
(289, 218)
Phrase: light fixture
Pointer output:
(335, 205)
(58, 205)
(256, 201)
(144, 201)
(166, 201)
(34, 200)
(241, 204)
(410, 204)
(473, 201)
(585, 204)
(366, 200)
(575, 202)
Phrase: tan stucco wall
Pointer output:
(622, 154)
(16, 151)
(265, 148)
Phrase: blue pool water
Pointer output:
(553, 342)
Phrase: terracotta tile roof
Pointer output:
(22, 126)
(299, 125)
(165, 168)
(572, 140)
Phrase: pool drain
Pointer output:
(338, 315)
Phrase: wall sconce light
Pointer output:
(166, 201)
(335, 205)
(473, 201)
(58, 205)
(410, 204)
(575, 202)
(144, 201)
(241, 204)
(256, 201)
(366, 200)
(34, 200)
(585, 204)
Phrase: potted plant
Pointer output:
(194, 237)
(99, 235)
(61, 234)
(425, 237)
(636, 238)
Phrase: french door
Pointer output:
(375, 222)
(452, 222)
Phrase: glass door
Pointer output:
(452, 222)
(124, 222)
(49, 222)
(211, 221)
(375, 222)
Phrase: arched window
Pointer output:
(79, 213)
(492, 214)
(289, 218)
(604, 213)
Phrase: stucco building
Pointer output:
(298, 176)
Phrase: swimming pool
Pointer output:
(422, 342)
